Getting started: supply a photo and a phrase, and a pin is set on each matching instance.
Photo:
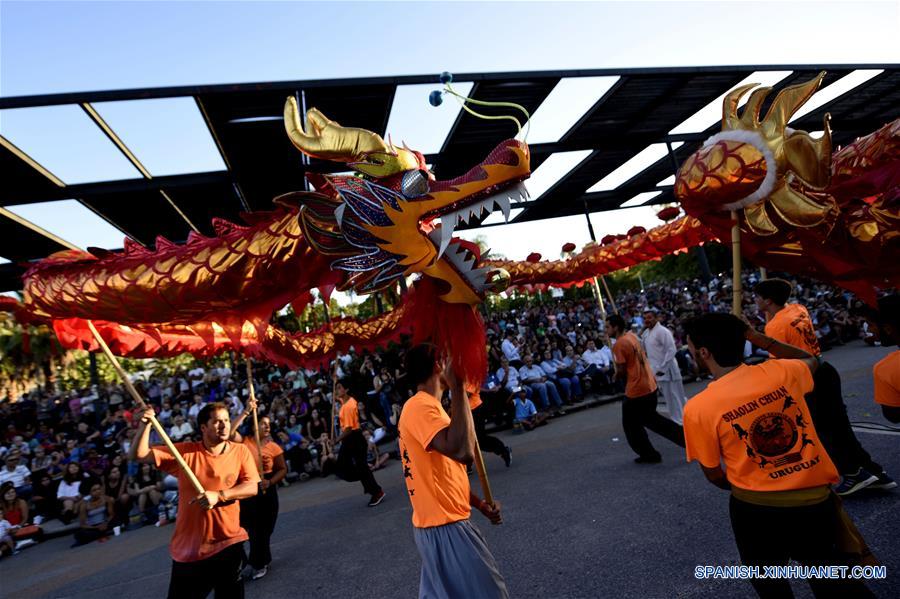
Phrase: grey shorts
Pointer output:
(456, 564)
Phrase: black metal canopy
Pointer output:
(244, 120)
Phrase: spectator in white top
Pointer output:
(511, 349)
(196, 406)
(181, 429)
(598, 365)
(196, 375)
(507, 376)
(559, 374)
(601, 358)
(16, 473)
(660, 347)
(533, 376)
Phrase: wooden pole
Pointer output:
(142, 405)
(252, 391)
(763, 273)
(482, 475)
(333, 394)
(599, 298)
(609, 295)
(736, 286)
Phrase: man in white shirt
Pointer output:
(660, 347)
(507, 376)
(196, 375)
(196, 407)
(181, 429)
(16, 473)
(533, 376)
(511, 348)
(599, 364)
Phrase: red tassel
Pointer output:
(456, 329)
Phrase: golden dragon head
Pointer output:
(395, 218)
(762, 166)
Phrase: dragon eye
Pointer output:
(414, 184)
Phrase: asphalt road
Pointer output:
(581, 520)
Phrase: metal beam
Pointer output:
(122, 186)
(117, 141)
(289, 86)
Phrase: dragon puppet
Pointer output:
(804, 210)
(360, 232)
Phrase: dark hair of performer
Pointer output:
(776, 291)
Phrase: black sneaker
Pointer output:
(507, 455)
(652, 459)
(851, 483)
(884, 482)
(376, 499)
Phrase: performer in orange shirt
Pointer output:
(755, 420)
(435, 449)
(351, 461)
(791, 324)
(639, 408)
(259, 513)
(887, 371)
(207, 545)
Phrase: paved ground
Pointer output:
(582, 520)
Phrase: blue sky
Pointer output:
(48, 47)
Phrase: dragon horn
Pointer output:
(326, 139)
(750, 117)
(730, 118)
(788, 101)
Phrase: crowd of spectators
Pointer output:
(64, 454)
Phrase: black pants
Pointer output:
(829, 416)
(352, 464)
(220, 573)
(485, 441)
(638, 414)
(772, 536)
(258, 516)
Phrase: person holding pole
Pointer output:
(260, 512)
(791, 324)
(207, 545)
(755, 421)
(351, 462)
(434, 450)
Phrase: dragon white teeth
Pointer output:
(504, 203)
(339, 213)
(448, 224)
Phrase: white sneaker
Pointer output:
(38, 519)
(260, 573)
(25, 543)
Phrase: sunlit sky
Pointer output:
(50, 47)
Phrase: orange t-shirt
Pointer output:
(270, 451)
(755, 418)
(201, 533)
(628, 351)
(792, 325)
(438, 486)
(887, 380)
(349, 414)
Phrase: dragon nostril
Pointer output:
(414, 184)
